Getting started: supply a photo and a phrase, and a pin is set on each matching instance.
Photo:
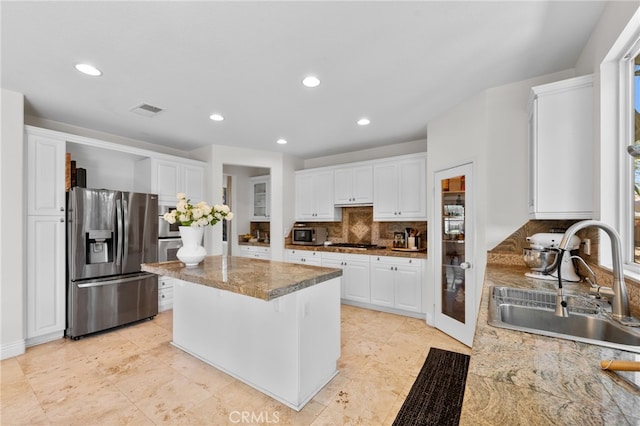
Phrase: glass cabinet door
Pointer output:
(455, 309)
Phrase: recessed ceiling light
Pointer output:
(311, 81)
(363, 121)
(88, 70)
(282, 141)
(216, 117)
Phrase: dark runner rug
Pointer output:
(436, 396)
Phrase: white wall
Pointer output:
(490, 130)
(281, 206)
(12, 226)
(411, 147)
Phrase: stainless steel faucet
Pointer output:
(620, 300)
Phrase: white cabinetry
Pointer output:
(167, 178)
(304, 257)
(314, 196)
(165, 293)
(355, 274)
(396, 282)
(353, 185)
(46, 311)
(255, 252)
(46, 176)
(561, 150)
(45, 295)
(260, 189)
(399, 189)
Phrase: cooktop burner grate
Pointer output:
(357, 246)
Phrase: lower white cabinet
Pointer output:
(46, 310)
(396, 282)
(305, 257)
(255, 252)
(355, 274)
(165, 293)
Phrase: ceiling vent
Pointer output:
(146, 110)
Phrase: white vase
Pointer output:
(191, 253)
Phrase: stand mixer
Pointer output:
(540, 256)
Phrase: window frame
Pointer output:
(617, 123)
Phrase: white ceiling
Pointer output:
(398, 63)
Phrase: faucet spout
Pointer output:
(620, 301)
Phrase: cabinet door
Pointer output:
(45, 276)
(560, 144)
(304, 203)
(193, 182)
(46, 176)
(385, 195)
(382, 283)
(408, 294)
(343, 186)
(323, 195)
(362, 192)
(259, 198)
(338, 264)
(356, 280)
(412, 194)
(168, 180)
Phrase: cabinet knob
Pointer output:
(61, 220)
(465, 265)
(61, 209)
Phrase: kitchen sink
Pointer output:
(533, 311)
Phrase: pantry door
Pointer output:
(455, 312)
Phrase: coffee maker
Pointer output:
(540, 256)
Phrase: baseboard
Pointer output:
(9, 350)
(419, 315)
(44, 338)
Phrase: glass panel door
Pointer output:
(455, 307)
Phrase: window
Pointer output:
(634, 176)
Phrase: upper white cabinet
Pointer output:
(561, 150)
(259, 194)
(168, 178)
(399, 189)
(353, 185)
(45, 175)
(314, 196)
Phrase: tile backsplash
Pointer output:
(357, 226)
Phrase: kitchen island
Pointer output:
(273, 325)
(517, 378)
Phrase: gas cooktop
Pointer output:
(357, 246)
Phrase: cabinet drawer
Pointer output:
(164, 282)
(397, 260)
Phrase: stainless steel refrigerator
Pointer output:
(110, 233)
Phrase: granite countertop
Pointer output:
(517, 378)
(262, 279)
(415, 254)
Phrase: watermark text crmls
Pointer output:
(264, 417)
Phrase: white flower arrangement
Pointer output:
(200, 214)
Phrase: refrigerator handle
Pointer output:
(119, 228)
(125, 221)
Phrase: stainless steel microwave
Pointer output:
(309, 236)
(166, 230)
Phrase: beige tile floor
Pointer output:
(134, 376)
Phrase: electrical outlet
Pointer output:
(587, 246)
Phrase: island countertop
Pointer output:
(262, 279)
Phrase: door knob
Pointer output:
(465, 265)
